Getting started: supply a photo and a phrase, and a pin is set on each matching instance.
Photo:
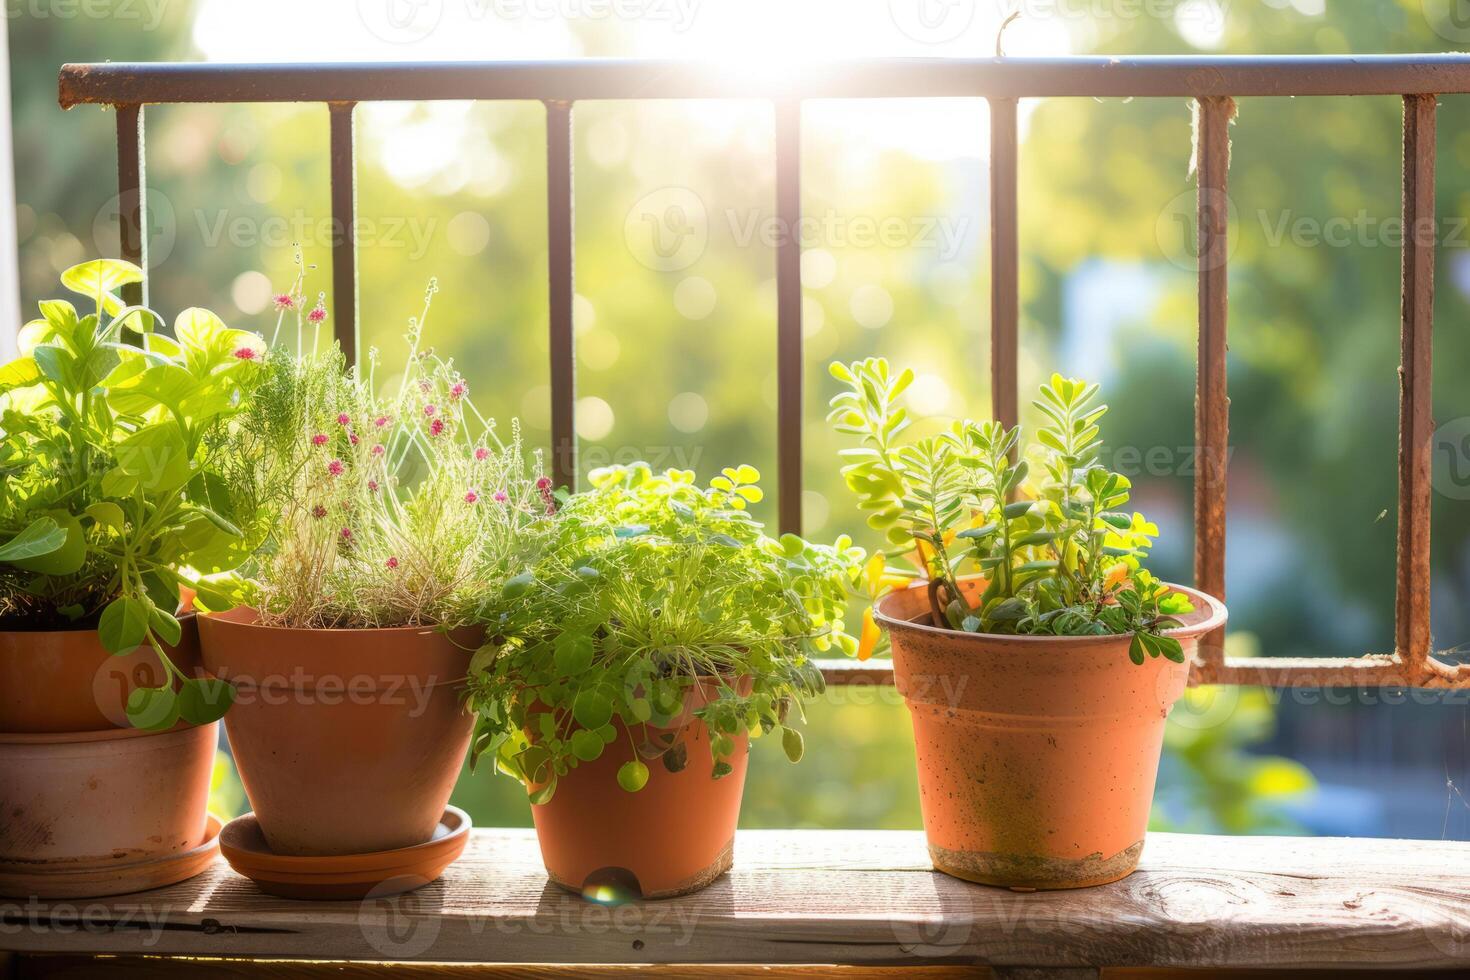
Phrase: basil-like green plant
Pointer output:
(1056, 553)
(110, 496)
(650, 585)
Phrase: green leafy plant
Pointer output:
(111, 491)
(650, 587)
(1043, 529)
(376, 508)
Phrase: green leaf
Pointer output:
(42, 537)
(99, 279)
(19, 373)
(573, 653)
(124, 625)
(791, 742)
(203, 700)
(64, 560)
(165, 626)
(1135, 649)
(157, 456)
(153, 708)
(107, 514)
(518, 586)
(586, 745)
(592, 708)
(633, 775)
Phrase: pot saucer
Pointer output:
(343, 876)
(100, 879)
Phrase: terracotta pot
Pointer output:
(1037, 755)
(65, 681)
(674, 836)
(347, 741)
(100, 800)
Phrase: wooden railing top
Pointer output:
(843, 897)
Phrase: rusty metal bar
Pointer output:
(788, 318)
(132, 204)
(343, 169)
(1004, 264)
(560, 257)
(1416, 411)
(1212, 403)
(568, 81)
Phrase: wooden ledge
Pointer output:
(865, 898)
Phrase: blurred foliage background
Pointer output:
(675, 313)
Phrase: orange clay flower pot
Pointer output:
(66, 681)
(81, 812)
(347, 741)
(674, 836)
(1037, 754)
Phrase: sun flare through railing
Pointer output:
(1211, 82)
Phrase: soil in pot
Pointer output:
(100, 805)
(347, 741)
(674, 836)
(1037, 756)
(65, 680)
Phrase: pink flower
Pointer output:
(285, 302)
(372, 486)
(344, 419)
(347, 534)
(246, 353)
(429, 410)
(335, 467)
(482, 454)
(352, 438)
(543, 484)
(391, 562)
(501, 496)
(318, 512)
(319, 439)
(318, 313)
(471, 497)
(378, 449)
(436, 427)
(459, 389)
(380, 421)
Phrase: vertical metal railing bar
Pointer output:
(1416, 412)
(342, 168)
(1212, 403)
(1004, 263)
(561, 274)
(788, 318)
(132, 204)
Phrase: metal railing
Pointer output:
(1212, 82)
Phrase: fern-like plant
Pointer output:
(1053, 550)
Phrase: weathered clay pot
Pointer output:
(347, 741)
(96, 801)
(66, 681)
(674, 836)
(1037, 755)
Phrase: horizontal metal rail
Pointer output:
(1213, 82)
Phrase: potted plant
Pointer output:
(1037, 656)
(111, 502)
(658, 630)
(349, 651)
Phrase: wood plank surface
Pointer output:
(864, 898)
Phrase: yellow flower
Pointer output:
(870, 635)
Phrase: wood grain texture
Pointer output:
(835, 897)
